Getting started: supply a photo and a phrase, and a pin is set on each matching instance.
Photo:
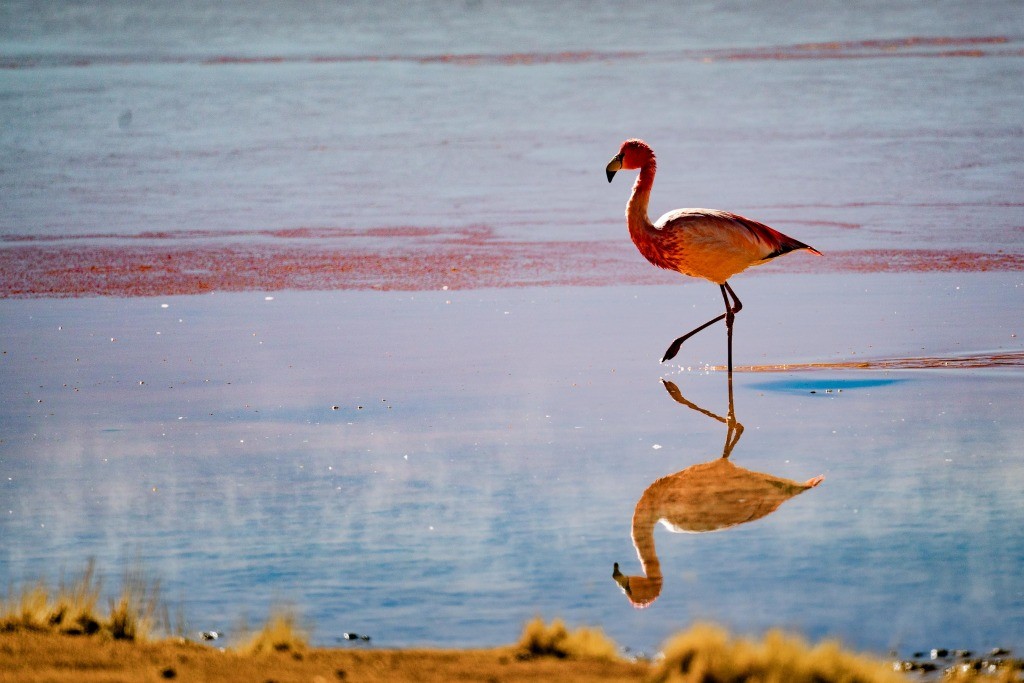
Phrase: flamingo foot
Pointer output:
(811, 483)
(673, 349)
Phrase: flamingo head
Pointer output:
(640, 590)
(632, 154)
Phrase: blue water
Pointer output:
(124, 119)
(436, 468)
(439, 467)
(822, 385)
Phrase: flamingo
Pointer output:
(705, 243)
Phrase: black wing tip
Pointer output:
(786, 248)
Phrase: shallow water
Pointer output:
(436, 466)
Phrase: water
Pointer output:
(908, 143)
(364, 457)
(437, 466)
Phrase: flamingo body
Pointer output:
(711, 244)
(704, 243)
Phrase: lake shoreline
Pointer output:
(36, 656)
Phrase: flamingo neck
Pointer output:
(645, 179)
(644, 521)
(641, 230)
(636, 209)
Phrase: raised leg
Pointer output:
(736, 306)
(731, 309)
(673, 348)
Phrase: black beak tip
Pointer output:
(611, 174)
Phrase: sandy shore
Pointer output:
(30, 657)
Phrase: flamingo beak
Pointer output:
(614, 165)
(619, 577)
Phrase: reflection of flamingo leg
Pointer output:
(732, 437)
(705, 497)
(735, 429)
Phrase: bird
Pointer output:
(703, 243)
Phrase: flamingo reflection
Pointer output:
(710, 496)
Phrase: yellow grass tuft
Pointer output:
(29, 609)
(541, 640)
(75, 604)
(134, 615)
(280, 633)
(708, 653)
(71, 609)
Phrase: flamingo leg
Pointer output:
(673, 348)
(734, 430)
(731, 309)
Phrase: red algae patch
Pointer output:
(61, 270)
(396, 258)
(921, 261)
(885, 48)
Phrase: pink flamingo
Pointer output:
(705, 243)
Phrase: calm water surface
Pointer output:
(437, 467)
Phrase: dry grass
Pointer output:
(708, 653)
(36, 625)
(541, 640)
(134, 615)
(46, 657)
(71, 608)
(280, 633)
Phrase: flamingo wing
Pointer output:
(716, 245)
